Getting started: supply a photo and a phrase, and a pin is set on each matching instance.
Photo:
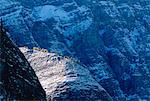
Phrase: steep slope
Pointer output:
(63, 78)
(110, 37)
(17, 78)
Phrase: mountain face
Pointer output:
(64, 79)
(17, 78)
(110, 38)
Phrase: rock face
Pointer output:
(17, 78)
(111, 38)
(64, 79)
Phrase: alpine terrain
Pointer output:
(82, 50)
(17, 78)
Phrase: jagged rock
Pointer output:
(17, 78)
(112, 38)
(65, 79)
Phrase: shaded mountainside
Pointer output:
(18, 80)
(110, 37)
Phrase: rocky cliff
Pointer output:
(64, 78)
(110, 37)
(17, 78)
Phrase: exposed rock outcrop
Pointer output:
(110, 37)
(65, 79)
(18, 80)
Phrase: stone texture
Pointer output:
(112, 38)
(64, 78)
(18, 80)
